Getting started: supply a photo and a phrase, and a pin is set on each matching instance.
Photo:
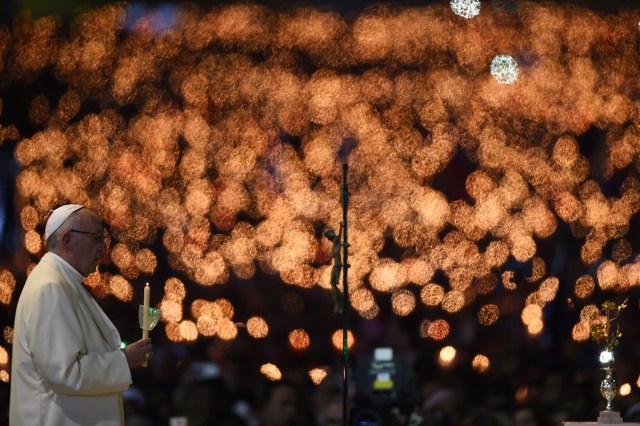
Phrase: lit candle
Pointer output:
(145, 315)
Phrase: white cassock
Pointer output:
(67, 367)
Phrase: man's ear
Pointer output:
(66, 237)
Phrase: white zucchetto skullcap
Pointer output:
(58, 217)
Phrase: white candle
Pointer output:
(145, 315)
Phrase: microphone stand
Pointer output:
(345, 296)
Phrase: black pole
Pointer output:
(345, 297)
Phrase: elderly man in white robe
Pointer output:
(67, 365)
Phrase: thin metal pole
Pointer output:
(345, 298)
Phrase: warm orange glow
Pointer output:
(181, 137)
(403, 302)
(625, 389)
(8, 334)
(4, 356)
(206, 325)
(271, 372)
(531, 313)
(32, 242)
(171, 311)
(480, 363)
(453, 301)
(581, 332)
(337, 339)
(7, 286)
(317, 375)
(257, 327)
(188, 330)
(446, 356)
(432, 294)
(226, 329)
(121, 288)
(29, 218)
(535, 327)
(174, 290)
(548, 289)
(146, 261)
(488, 314)
(226, 308)
(299, 339)
(584, 286)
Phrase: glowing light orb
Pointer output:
(32, 242)
(606, 357)
(488, 314)
(206, 325)
(257, 327)
(337, 339)
(447, 355)
(7, 286)
(317, 375)
(4, 356)
(504, 69)
(299, 339)
(581, 331)
(4, 376)
(403, 302)
(8, 335)
(121, 288)
(432, 294)
(438, 329)
(226, 329)
(625, 389)
(535, 327)
(465, 8)
(271, 372)
(188, 330)
(480, 363)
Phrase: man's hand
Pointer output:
(138, 352)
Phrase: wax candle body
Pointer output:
(145, 314)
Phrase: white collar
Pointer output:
(77, 276)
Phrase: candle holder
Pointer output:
(605, 329)
(608, 387)
(154, 315)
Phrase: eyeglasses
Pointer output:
(98, 237)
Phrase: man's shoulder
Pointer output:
(42, 279)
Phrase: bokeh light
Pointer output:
(465, 8)
(337, 339)
(447, 355)
(625, 389)
(271, 372)
(211, 150)
(317, 375)
(4, 356)
(504, 69)
(257, 327)
(299, 339)
(7, 286)
(480, 363)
